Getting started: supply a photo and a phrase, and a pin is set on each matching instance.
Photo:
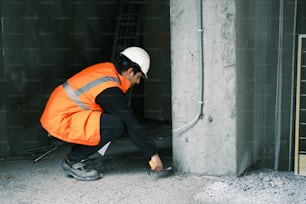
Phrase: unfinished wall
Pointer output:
(301, 16)
(210, 146)
(156, 39)
(264, 83)
(45, 42)
(42, 44)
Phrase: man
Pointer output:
(89, 110)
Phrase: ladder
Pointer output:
(128, 28)
(300, 122)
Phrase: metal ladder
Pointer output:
(128, 29)
(300, 122)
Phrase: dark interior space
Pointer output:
(45, 42)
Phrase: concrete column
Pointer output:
(210, 146)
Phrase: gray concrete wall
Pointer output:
(210, 146)
(263, 115)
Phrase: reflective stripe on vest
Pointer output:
(74, 95)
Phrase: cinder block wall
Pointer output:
(156, 39)
(42, 44)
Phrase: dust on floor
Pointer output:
(126, 180)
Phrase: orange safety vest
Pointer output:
(71, 113)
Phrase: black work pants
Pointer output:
(111, 128)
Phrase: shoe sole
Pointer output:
(72, 174)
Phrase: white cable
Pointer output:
(190, 124)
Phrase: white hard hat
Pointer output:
(138, 56)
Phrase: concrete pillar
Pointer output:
(209, 147)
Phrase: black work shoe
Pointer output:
(80, 170)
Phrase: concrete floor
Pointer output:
(126, 180)
(22, 180)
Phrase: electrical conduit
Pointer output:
(190, 124)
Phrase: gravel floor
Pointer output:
(126, 180)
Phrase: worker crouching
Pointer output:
(89, 110)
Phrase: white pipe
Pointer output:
(2, 31)
(201, 59)
(292, 86)
(190, 124)
(278, 98)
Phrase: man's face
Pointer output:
(132, 77)
(135, 78)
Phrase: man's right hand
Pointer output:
(155, 163)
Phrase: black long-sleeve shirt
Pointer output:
(113, 102)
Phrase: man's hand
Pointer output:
(155, 163)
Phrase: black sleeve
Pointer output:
(113, 102)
